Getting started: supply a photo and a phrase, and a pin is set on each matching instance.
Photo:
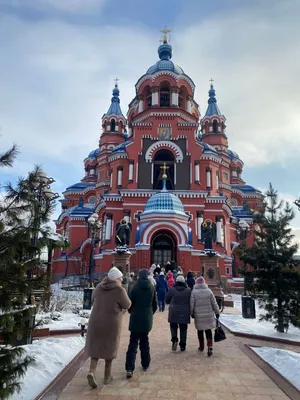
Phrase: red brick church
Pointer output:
(123, 180)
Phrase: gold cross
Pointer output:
(164, 169)
(116, 81)
(165, 37)
(211, 81)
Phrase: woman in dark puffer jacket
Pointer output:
(179, 312)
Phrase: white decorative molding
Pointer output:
(165, 72)
(164, 144)
(62, 216)
(176, 229)
(227, 209)
(87, 241)
(117, 156)
(163, 114)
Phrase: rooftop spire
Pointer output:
(115, 108)
(165, 49)
(164, 176)
(212, 108)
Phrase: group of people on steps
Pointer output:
(110, 301)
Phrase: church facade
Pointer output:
(163, 135)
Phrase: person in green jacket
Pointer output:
(143, 306)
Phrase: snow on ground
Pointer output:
(69, 321)
(51, 356)
(286, 362)
(236, 323)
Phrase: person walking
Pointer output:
(144, 305)
(203, 308)
(190, 280)
(152, 279)
(161, 289)
(179, 312)
(105, 324)
(171, 280)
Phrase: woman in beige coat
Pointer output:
(203, 307)
(105, 324)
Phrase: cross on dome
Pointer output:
(211, 81)
(164, 169)
(165, 32)
(116, 81)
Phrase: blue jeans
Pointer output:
(161, 304)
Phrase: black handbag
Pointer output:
(219, 333)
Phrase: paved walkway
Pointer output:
(228, 375)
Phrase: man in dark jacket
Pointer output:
(179, 312)
(190, 280)
(161, 289)
(143, 306)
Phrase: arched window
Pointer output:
(165, 96)
(161, 157)
(215, 126)
(113, 125)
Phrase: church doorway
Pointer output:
(163, 248)
(164, 157)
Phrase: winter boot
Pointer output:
(201, 345)
(129, 374)
(107, 372)
(182, 346)
(209, 347)
(91, 380)
(175, 344)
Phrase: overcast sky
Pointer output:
(58, 60)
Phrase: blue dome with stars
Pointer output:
(164, 202)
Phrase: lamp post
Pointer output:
(242, 233)
(95, 226)
(297, 203)
(43, 197)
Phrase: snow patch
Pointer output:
(286, 362)
(51, 356)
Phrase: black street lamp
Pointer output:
(297, 203)
(242, 232)
(43, 197)
(95, 226)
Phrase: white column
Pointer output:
(189, 105)
(130, 171)
(129, 132)
(234, 173)
(86, 173)
(120, 176)
(208, 178)
(199, 223)
(111, 179)
(219, 229)
(174, 98)
(152, 173)
(217, 180)
(155, 97)
(141, 104)
(108, 227)
(108, 128)
(92, 171)
(197, 172)
(116, 127)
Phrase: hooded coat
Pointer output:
(203, 307)
(105, 323)
(161, 288)
(190, 280)
(179, 299)
(144, 305)
(171, 281)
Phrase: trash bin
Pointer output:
(248, 307)
(87, 298)
(22, 338)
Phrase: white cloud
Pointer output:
(69, 6)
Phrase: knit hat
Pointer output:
(200, 280)
(143, 274)
(162, 273)
(180, 278)
(114, 274)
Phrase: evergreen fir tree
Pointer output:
(21, 240)
(274, 274)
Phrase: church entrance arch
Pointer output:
(163, 248)
(164, 157)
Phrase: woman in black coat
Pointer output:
(190, 280)
(179, 312)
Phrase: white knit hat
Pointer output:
(180, 278)
(114, 274)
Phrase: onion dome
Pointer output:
(165, 63)
(232, 154)
(164, 202)
(115, 108)
(212, 108)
